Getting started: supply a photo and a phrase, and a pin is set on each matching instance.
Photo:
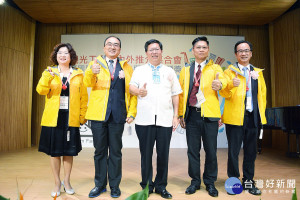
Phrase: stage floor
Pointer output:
(31, 169)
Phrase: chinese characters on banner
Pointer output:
(175, 62)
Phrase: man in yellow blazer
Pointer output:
(110, 106)
(199, 113)
(244, 111)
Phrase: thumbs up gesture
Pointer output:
(96, 67)
(50, 71)
(216, 84)
(236, 81)
(143, 90)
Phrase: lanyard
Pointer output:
(196, 80)
(249, 78)
(64, 85)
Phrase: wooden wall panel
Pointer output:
(286, 68)
(2, 10)
(47, 36)
(217, 29)
(89, 28)
(259, 37)
(16, 29)
(142, 28)
(272, 61)
(6, 129)
(15, 50)
(130, 28)
(120, 28)
(30, 78)
(286, 51)
(174, 28)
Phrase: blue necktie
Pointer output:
(249, 92)
(111, 67)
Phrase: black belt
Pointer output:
(247, 112)
(195, 108)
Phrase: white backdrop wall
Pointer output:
(177, 50)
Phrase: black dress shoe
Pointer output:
(192, 189)
(164, 194)
(96, 191)
(212, 191)
(254, 191)
(249, 186)
(115, 192)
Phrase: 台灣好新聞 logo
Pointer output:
(233, 186)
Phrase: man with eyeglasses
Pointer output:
(199, 112)
(244, 111)
(157, 88)
(110, 107)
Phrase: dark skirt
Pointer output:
(54, 141)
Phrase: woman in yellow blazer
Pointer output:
(65, 107)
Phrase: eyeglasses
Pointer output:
(243, 51)
(61, 52)
(116, 45)
(201, 47)
(153, 50)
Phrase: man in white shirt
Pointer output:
(157, 88)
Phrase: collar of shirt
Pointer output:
(201, 64)
(107, 60)
(242, 66)
(61, 74)
(154, 68)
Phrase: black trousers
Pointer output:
(198, 128)
(236, 135)
(147, 136)
(107, 139)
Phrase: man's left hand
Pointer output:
(216, 84)
(129, 120)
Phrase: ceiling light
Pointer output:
(2, 2)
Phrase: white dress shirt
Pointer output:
(249, 106)
(158, 101)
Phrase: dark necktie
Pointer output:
(111, 67)
(195, 88)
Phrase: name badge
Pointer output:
(68, 136)
(156, 79)
(64, 102)
(248, 103)
(261, 134)
(200, 97)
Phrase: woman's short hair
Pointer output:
(72, 52)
